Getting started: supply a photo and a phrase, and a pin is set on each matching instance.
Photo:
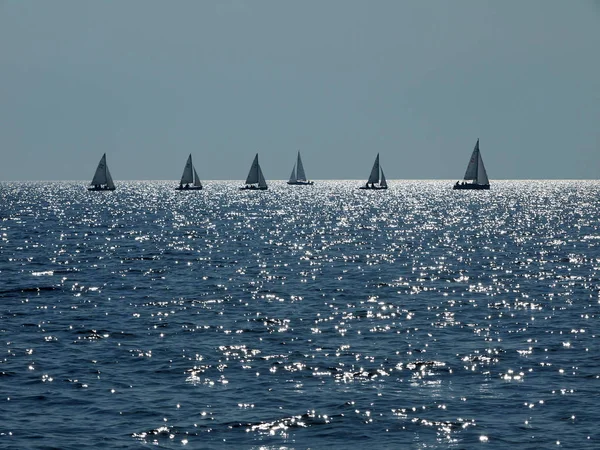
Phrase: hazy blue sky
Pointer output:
(149, 82)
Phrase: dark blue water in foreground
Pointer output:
(300, 317)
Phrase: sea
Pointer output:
(301, 317)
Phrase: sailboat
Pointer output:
(189, 177)
(375, 181)
(298, 177)
(102, 180)
(255, 179)
(475, 173)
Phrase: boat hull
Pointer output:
(191, 188)
(253, 188)
(301, 183)
(376, 188)
(94, 188)
(471, 186)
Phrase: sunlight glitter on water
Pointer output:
(415, 315)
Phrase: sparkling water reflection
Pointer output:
(308, 316)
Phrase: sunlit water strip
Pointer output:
(303, 316)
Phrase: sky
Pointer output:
(417, 81)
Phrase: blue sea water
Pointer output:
(300, 317)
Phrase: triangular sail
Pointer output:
(100, 177)
(300, 175)
(471, 173)
(476, 170)
(482, 177)
(374, 177)
(261, 179)
(109, 180)
(383, 182)
(197, 181)
(187, 177)
(252, 177)
(293, 177)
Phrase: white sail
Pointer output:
(197, 181)
(383, 182)
(482, 177)
(293, 177)
(300, 175)
(102, 175)
(471, 173)
(374, 177)
(252, 177)
(187, 177)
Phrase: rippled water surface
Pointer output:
(301, 317)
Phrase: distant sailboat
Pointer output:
(189, 177)
(475, 173)
(102, 180)
(298, 177)
(375, 181)
(255, 179)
